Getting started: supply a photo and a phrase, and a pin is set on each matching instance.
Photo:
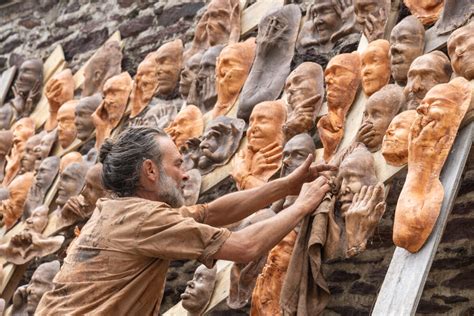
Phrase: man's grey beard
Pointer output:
(169, 193)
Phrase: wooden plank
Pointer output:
(15, 276)
(407, 273)
(53, 62)
(434, 41)
(253, 14)
(5, 82)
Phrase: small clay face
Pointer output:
(145, 84)
(27, 162)
(169, 61)
(71, 182)
(461, 51)
(427, 11)
(67, 131)
(102, 66)
(380, 109)
(6, 141)
(198, 293)
(395, 141)
(372, 16)
(375, 66)
(192, 187)
(41, 282)
(116, 92)
(6, 116)
(93, 189)
(46, 172)
(425, 72)
(295, 152)
(188, 74)
(28, 86)
(265, 124)
(84, 109)
(44, 148)
(12, 208)
(407, 42)
(219, 142)
(187, 124)
(58, 90)
(38, 220)
(22, 130)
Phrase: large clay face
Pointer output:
(375, 66)
(38, 220)
(265, 125)
(461, 51)
(44, 148)
(47, 172)
(407, 42)
(188, 74)
(41, 282)
(425, 72)
(219, 142)
(295, 152)
(395, 141)
(380, 109)
(27, 162)
(169, 61)
(192, 187)
(187, 124)
(372, 16)
(6, 141)
(71, 182)
(84, 109)
(145, 84)
(199, 290)
(67, 131)
(427, 11)
(93, 189)
(58, 90)
(102, 66)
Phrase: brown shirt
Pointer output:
(118, 264)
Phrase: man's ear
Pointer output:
(150, 171)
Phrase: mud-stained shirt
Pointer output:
(118, 264)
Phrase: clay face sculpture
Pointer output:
(58, 90)
(372, 16)
(145, 84)
(41, 282)
(28, 86)
(12, 208)
(6, 142)
(342, 76)
(425, 72)
(276, 39)
(84, 109)
(7, 115)
(108, 114)
(380, 109)
(326, 22)
(407, 42)
(44, 148)
(27, 162)
(219, 142)
(161, 114)
(395, 141)
(295, 153)
(261, 158)
(191, 153)
(375, 66)
(304, 89)
(198, 293)
(38, 220)
(187, 124)
(67, 131)
(70, 158)
(102, 66)
(188, 74)
(427, 11)
(430, 140)
(71, 182)
(203, 89)
(93, 189)
(232, 68)
(169, 59)
(192, 187)
(461, 51)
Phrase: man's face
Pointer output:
(375, 67)
(213, 140)
(199, 289)
(378, 115)
(145, 80)
(41, 282)
(338, 79)
(93, 189)
(84, 124)
(167, 69)
(325, 18)
(295, 153)
(188, 74)
(217, 18)
(230, 74)
(22, 131)
(66, 124)
(191, 187)
(30, 72)
(461, 51)
(42, 150)
(206, 76)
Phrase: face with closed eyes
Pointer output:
(43, 149)
(375, 66)
(325, 18)
(342, 77)
(38, 220)
(27, 162)
(169, 60)
(67, 131)
(461, 51)
(83, 112)
(199, 290)
(395, 141)
(46, 172)
(295, 153)
(41, 282)
(265, 124)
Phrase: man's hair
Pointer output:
(122, 158)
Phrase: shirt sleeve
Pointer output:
(166, 234)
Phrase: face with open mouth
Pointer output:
(199, 290)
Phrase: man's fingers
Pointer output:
(325, 167)
(362, 192)
(273, 152)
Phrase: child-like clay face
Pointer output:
(375, 66)
(461, 51)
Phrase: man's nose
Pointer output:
(185, 176)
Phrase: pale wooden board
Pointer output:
(253, 14)
(5, 82)
(433, 41)
(8, 270)
(406, 276)
(221, 290)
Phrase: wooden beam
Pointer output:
(406, 276)
(253, 14)
(5, 82)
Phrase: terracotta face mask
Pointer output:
(105, 64)
(67, 131)
(42, 150)
(191, 153)
(232, 69)
(372, 16)
(380, 109)
(58, 90)
(6, 142)
(28, 86)
(71, 182)
(12, 208)
(70, 158)
(145, 84)
(342, 76)
(41, 282)
(38, 220)
(219, 142)
(461, 51)
(427, 11)
(395, 141)
(93, 189)
(192, 187)
(188, 74)
(169, 59)
(295, 153)
(27, 162)
(304, 89)
(198, 293)
(375, 66)
(187, 124)
(84, 109)
(407, 42)
(425, 72)
(430, 140)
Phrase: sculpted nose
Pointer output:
(422, 109)
(416, 85)
(460, 50)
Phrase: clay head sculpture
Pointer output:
(276, 40)
(431, 137)
(203, 89)
(7, 115)
(145, 84)
(6, 142)
(41, 282)
(407, 42)
(295, 152)
(105, 64)
(188, 74)
(192, 187)
(198, 293)
(372, 16)
(220, 141)
(161, 114)
(427, 11)
(380, 109)
(191, 153)
(261, 158)
(38, 219)
(395, 141)
(169, 59)
(59, 89)
(43, 149)
(70, 158)
(67, 131)
(109, 113)
(93, 188)
(342, 76)
(461, 51)
(187, 124)
(375, 66)
(27, 162)
(304, 90)
(12, 208)
(425, 72)
(232, 68)
(27, 87)
(84, 109)
(71, 182)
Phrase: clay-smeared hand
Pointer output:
(312, 194)
(268, 160)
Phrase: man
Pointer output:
(118, 264)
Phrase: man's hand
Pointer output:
(312, 194)
(305, 173)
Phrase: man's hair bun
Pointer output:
(105, 149)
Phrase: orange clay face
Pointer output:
(187, 124)
(169, 59)
(461, 51)
(59, 89)
(395, 142)
(145, 84)
(375, 66)
(427, 11)
(67, 131)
